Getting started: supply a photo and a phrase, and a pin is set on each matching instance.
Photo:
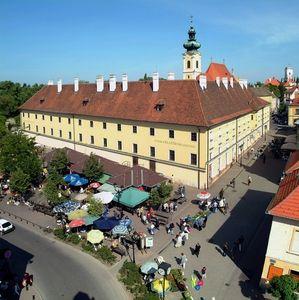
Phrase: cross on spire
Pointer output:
(191, 20)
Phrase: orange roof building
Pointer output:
(217, 70)
(272, 81)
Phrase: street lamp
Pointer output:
(241, 149)
(164, 270)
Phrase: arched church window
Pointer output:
(188, 64)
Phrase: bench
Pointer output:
(119, 250)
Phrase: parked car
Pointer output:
(6, 226)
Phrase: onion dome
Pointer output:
(191, 44)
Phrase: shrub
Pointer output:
(87, 247)
(106, 255)
(59, 232)
(73, 238)
(283, 287)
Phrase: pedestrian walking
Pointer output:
(204, 272)
(183, 261)
(249, 180)
(171, 227)
(197, 249)
(152, 229)
(221, 193)
(225, 249)
(233, 183)
(178, 242)
(157, 225)
(240, 243)
(184, 238)
(171, 207)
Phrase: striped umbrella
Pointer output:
(120, 230)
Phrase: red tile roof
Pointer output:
(286, 201)
(295, 101)
(272, 81)
(185, 103)
(217, 70)
(293, 162)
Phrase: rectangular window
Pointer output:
(43, 117)
(193, 159)
(79, 122)
(35, 116)
(119, 127)
(28, 115)
(69, 120)
(153, 151)
(60, 133)
(44, 130)
(23, 115)
(28, 126)
(171, 134)
(36, 128)
(297, 112)
(91, 123)
(80, 137)
(295, 242)
(104, 125)
(134, 129)
(92, 139)
(135, 148)
(59, 119)
(152, 131)
(193, 136)
(105, 143)
(171, 155)
(52, 131)
(70, 135)
(24, 125)
(51, 118)
(119, 145)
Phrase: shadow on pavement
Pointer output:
(82, 296)
(12, 269)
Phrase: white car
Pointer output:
(6, 226)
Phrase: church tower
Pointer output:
(192, 57)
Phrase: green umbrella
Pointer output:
(89, 219)
(95, 236)
(77, 214)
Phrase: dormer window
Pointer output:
(85, 101)
(42, 100)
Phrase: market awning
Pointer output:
(131, 197)
(106, 223)
(106, 187)
(90, 219)
(105, 177)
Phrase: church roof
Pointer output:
(183, 102)
(217, 70)
(272, 81)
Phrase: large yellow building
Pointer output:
(188, 130)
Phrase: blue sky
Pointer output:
(51, 39)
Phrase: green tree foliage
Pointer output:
(93, 169)
(51, 190)
(283, 287)
(160, 194)
(59, 161)
(12, 95)
(95, 208)
(278, 91)
(17, 151)
(19, 181)
(282, 108)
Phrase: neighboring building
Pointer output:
(191, 131)
(192, 57)
(293, 112)
(282, 256)
(272, 81)
(291, 93)
(217, 70)
(264, 93)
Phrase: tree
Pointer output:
(19, 181)
(165, 190)
(93, 169)
(283, 287)
(95, 208)
(59, 161)
(161, 193)
(51, 190)
(18, 151)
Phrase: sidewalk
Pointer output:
(31, 294)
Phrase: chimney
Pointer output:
(241, 82)
(50, 82)
(203, 81)
(245, 82)
(231, 82)
(218, 80)
(76, 84)
(125, 82)
(100, 83)
(225, 82)
(170, 76)
(112, 83)
(59, 86)
(155, 82)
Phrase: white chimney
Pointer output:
(231, 81)
(241, 82)
(170, 76)
(76, 84)
(50, 82)
(125, 82)
(218, 80)
(100, 83)
(155, 82)
(245, 82)
(59, 86)
(203, 81)
(225, 82)
(112, 83)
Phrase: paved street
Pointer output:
(60, 272)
